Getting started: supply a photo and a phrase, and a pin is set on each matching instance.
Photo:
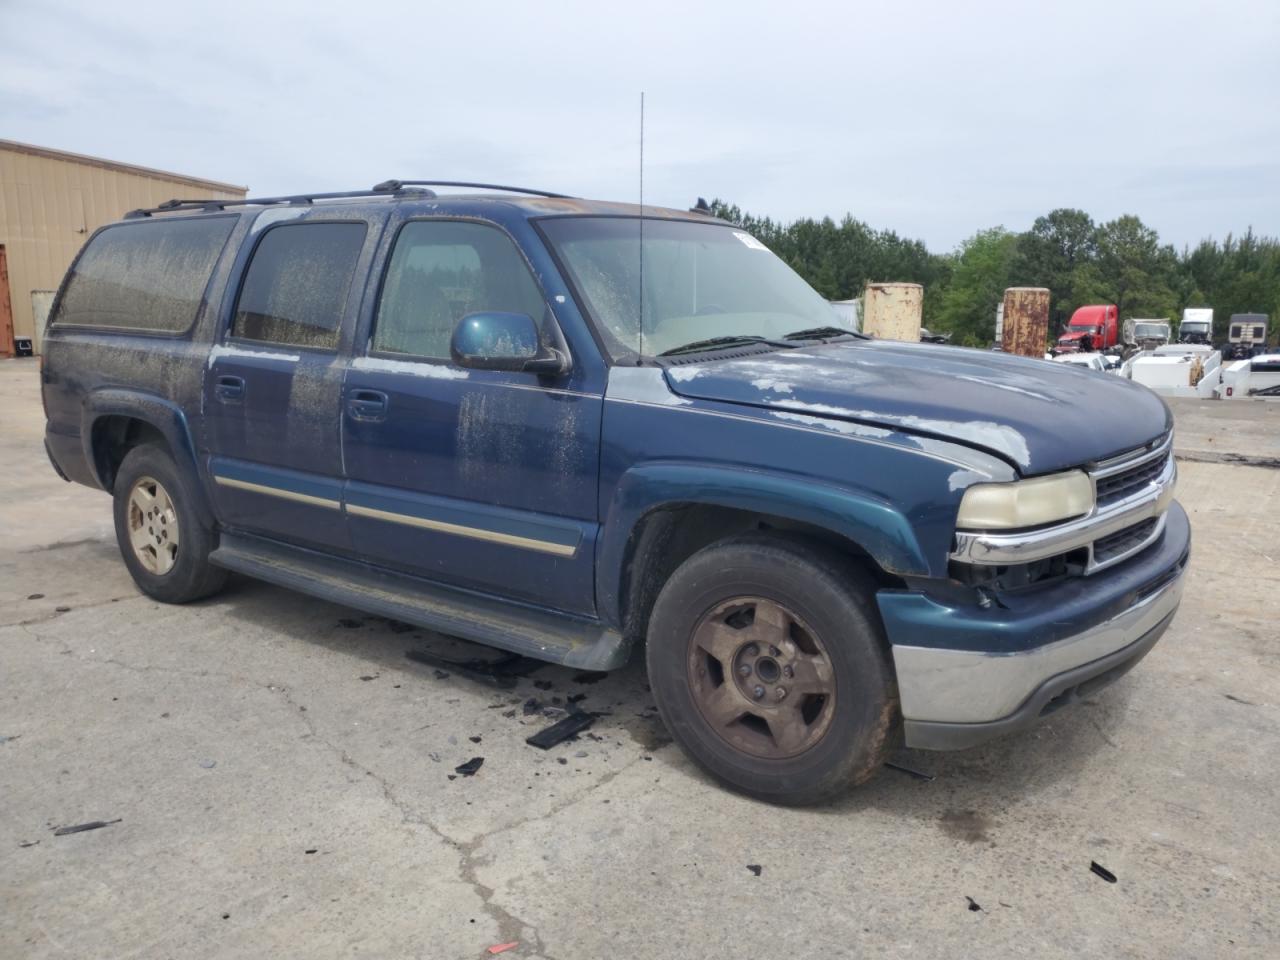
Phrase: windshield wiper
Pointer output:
(715, 342)
(823, 333)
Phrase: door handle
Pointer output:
(367, 404)
(230, 388)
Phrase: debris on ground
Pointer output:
(28, 843)
(312, 850)
(61, 609)
(543, 684)
(590, 676)
(576, 698)
(561, 730)
(1247, 703)
(926, 777)
(476, 739)
(35, 596)
(469, 768)
(7, 739)
(368, 677)
(503, 672)
(1102, 871)
(532, 706)
(755, 868)
(208, 764)
(82, 827)
(504, 947)
(973, 905)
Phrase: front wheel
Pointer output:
(768, 664)
(163, 543)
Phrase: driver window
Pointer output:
(440, 271)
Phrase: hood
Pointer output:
(1040, 416)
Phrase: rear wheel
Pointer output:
(767, 662)
(163, 543)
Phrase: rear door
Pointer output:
(274, 383)
(482, 479)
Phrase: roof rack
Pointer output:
(396, 188)
(397, 185)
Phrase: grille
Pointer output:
(1118, 544)
(1120, 485)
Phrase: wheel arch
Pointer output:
(662, 514)
(113, 422)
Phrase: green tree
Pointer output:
(980, 273)
(1135, 268)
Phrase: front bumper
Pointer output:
(967, 675)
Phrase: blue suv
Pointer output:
(571, 428)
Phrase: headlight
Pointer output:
(1026, 503)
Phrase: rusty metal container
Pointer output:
(892, 311)
(1026, 321)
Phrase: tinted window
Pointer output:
(149, 275)
(439, 272)
(296, 286)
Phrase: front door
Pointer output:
(478, 478)
(273, 386)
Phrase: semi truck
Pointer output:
(1096, 321)
(1196, 326)
(1246, 335)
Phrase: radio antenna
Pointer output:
(640, 355)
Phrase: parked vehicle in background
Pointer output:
(1147, 334)
(1246, 335)
(1196, 326)
(1259, 376)
(461, 412)
(1098, 321)
(1177, 370)
(1093, 361)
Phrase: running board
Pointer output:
(571, 641)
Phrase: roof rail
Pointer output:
(397, 185)
(396, 188)
(213, 205)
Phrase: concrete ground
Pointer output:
(281, 777)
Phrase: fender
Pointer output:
(156, 411)
(874, 524)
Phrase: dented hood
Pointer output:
(1038, 415)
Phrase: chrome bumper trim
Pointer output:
(962, 686)
(1009, 548)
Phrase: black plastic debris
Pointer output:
(1102, 871)
(504, 672)
(35, 596)
(974, 907)
(590, 676)
(28, 843)
(82, 827)
(475, 739)
(576, 698)
(561, 730)
(367, 677)
(755, 868)
(532, 706)
(61, 609)
(312, 850)
(926, 777)
(470, 767)
(508, 713)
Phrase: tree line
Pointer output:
(1121, 261)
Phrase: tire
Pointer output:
(726, 598)
(163, 543)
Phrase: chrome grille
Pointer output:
(1117, 486)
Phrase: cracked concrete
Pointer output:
(281, 772)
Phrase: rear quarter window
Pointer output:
(148, 276)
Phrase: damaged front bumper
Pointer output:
(968, 674)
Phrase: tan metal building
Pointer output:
(50, 201)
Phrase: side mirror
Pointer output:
(503, 341)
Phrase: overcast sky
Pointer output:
(932, 119)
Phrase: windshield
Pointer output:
(1153, 330)
(701, 281)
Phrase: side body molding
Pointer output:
(871, 523)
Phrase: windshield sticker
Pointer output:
(750, 241)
